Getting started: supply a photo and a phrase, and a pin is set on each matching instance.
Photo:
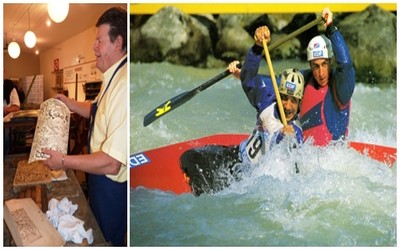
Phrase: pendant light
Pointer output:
(30, 37)
(58, 10)
(14, 50)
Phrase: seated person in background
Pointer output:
(11, 102)
(21, 93)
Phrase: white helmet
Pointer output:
(292, 83)
(319, 47)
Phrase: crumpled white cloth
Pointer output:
(60, 214)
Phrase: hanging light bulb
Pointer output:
(58, 10)
(14, 50)
(30, 37)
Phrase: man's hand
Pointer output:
(54, 160)
(262, 33)
(233, 69)
(287, 130)
(328, 16)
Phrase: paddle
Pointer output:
(182, 98)
(271, 69)
(275, 85)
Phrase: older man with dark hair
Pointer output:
(107, 141)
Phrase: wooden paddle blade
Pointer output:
(384, 154)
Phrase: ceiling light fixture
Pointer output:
(58, 10)
(14, 50)
(30, 37)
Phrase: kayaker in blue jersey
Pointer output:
(260, 93)
(325, 109)
(210, 168)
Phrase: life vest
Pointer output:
(312, 115)
(323, 117)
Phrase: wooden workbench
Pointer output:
(68, 188)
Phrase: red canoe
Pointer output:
(160, 168)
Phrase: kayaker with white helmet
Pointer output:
(325, 109)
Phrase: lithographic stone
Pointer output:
(52, 129)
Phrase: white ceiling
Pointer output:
(16, 23)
